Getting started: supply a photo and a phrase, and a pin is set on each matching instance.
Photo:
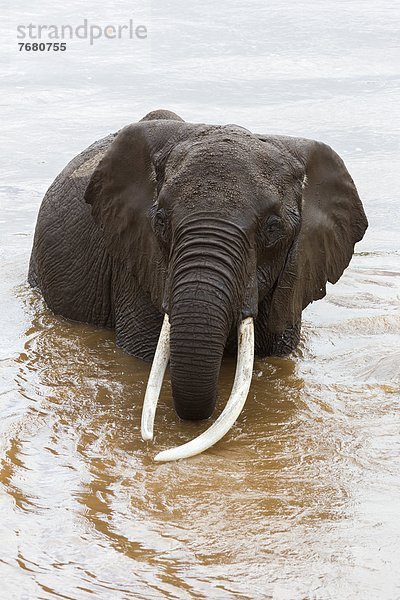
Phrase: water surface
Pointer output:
(301, 499)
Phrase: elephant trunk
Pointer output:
(206, 292)
(198, 335)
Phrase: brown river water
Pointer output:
(301, 500)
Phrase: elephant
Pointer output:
(191, 240)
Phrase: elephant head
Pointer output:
(217, 223)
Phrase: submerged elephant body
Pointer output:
(207, 224)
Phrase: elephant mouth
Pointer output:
(232, 410)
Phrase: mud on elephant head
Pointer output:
(215, 229)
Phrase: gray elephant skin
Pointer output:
(208, 224)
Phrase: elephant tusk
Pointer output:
(234, 406)
(155, 381)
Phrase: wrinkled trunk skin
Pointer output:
(205, 295)
(198, 335)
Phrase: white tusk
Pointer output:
(234, 406)
(155, 381)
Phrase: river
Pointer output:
(301, 499)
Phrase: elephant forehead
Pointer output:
(229, 161)
(218, 153)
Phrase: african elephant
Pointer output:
(209, 229)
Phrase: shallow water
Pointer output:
(301, 499)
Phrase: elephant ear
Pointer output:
(124, 186)
(332, 221)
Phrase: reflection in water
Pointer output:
(95, 510)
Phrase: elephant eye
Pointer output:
(272, 230)
(159, 217)
(159, 222)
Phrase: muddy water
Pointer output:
(301, 499)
